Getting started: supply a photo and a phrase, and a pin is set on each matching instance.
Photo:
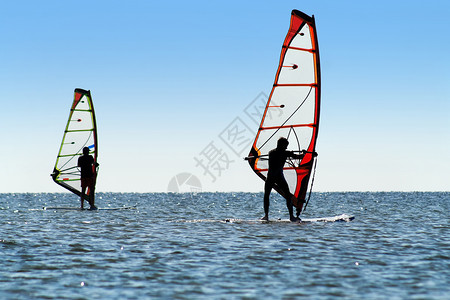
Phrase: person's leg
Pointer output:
(92, 194)
(281, 182)
(83, 192)
(267, 190)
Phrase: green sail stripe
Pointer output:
(79, 130)
(86, 110)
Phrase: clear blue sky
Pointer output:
(168, 78)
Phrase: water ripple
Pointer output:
(180, 246)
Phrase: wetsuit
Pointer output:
(85, 162)
(277, 159)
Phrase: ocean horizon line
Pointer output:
(227, 192)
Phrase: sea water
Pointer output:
(178, 246)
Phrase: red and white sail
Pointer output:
(292, 110)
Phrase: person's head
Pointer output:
(86, 151)
(282, 143)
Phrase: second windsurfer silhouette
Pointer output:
(87, 165)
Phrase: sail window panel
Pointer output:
(298, 68)
(75, 141)
(73, 184)
(66, 165)
(301, 138)
(81, 120)
(274, 112)
(299, 106)
(303, 38)
(76, 184)
(67, 175)
(263, 164)
(65, 162)
(83, 104)
(291, 178)
(268, 139)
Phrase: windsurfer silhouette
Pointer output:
(275, 176)
(86, 163)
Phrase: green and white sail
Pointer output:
(80, 132)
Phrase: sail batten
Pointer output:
(289, 126)
(299, 49)
(295, 84)
(80, 132)
(293, 107)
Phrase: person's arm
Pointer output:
(295, 156)
(313, 153)
(301, 155)
(93, 162)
